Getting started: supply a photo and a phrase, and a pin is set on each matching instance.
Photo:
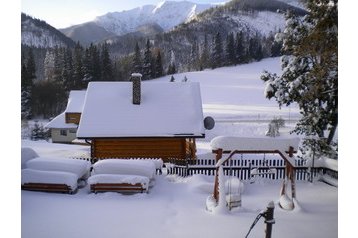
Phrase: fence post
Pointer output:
(269, 220)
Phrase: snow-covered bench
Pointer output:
(118, 183)
(122, 175)
(79, 167)
(48, 181)
(54, 174)
(144, 168)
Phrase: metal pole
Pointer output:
(269, 220)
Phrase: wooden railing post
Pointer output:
(218, 156)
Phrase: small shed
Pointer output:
(142, 119)
(64, 126)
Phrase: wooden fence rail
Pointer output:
(271, 169)
(241, 168)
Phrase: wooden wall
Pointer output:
(164, 148)
(73, 117)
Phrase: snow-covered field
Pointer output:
(174, 206)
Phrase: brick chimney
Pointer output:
(136, 82)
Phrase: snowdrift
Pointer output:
(49, 177)
(144, 168)
(81, 168)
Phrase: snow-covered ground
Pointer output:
(174, 206)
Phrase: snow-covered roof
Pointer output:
(75, 101)
(59, 122)
(74, 104)
(166, 110)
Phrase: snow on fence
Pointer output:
(244, 168)
(157, 161)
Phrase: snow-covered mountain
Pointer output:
(37, 33)
(167, 15)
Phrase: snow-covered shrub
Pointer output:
(38, 132)
(274, 126)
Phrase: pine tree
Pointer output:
(67, 71)
(28, 75)
(205, 54)
(147, 62)
(87, 68)
(240, 49)
(194, 57)
(230, 49)
(106, 64)
(78, 73)
(137, 60)
(49, 65)
(158, 65)
(217, 52)
(310, 74)
(172, 68)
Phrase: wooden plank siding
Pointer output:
(73, 117)
(163, 148)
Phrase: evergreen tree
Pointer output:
(106, 66)
(194, 57)
(172, 68)
(217, 52)
(310, 74)
(147, 62)
(78, 74)
(87, 68)
(240, 49)
(158, 65)
(255, 48)
(67, 71)
(28, 70)
(137, 60)
(230, 49)
(205, 54)
(276, 45)
(49, 64)
(95, 63)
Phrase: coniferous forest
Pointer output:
(49, 74)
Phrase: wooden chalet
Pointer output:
(64, 126)
(142, 119)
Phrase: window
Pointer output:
(63, 132)
(73, 131)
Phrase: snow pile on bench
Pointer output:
(157, 162)
(119, 179)
(231, 143)
(80, 168)
(49, 177)
(26, 155)
(144, 168)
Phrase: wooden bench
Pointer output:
(49, 181)
(118, 183)
(118, 187)
(47, 187)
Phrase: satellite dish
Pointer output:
(209, 123)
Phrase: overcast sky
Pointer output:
(64, 13)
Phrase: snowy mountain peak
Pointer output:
(166, 14)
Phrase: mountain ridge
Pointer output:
(37, 33)
(166, 14)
